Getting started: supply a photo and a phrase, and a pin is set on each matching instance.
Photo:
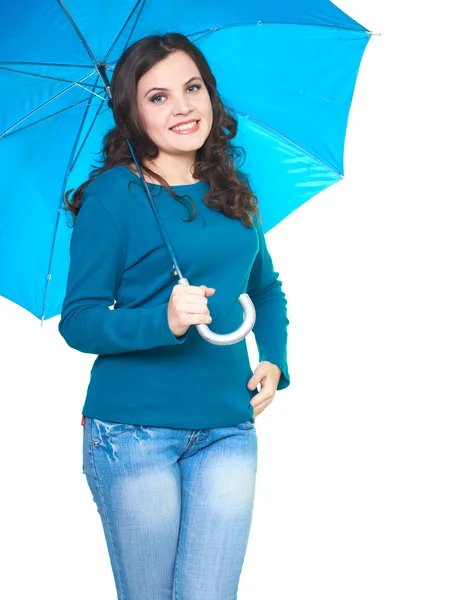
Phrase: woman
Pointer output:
(170, 447)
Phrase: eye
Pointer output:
(196, 85)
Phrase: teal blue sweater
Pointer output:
(143, 373)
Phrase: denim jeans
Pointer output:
(175, 505)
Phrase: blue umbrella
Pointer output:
(287, 72)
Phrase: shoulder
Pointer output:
(110, 189)
(108, 185)
(104, 200)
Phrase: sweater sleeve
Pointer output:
(97, 260)
(270, 329)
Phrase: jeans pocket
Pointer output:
(247, 424)
(110, 429)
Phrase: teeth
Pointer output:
(187, 126)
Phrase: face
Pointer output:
(184, 99)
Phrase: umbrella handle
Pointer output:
(225, 339)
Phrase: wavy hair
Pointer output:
(216, 162)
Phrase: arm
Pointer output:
(96, 265)
(265, 290)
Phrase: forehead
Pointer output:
(170, 72)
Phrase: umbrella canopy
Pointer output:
(287, 72)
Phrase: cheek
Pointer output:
(155, 122)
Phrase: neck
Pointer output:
(175, 170)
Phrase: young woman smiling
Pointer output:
(170, 445)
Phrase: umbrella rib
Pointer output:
(123, 28)
(88, 133)
(47, 76)
(135, 23)
(59, 211)
(283, 137)
(79, 33)
(5, 133)
(36, 64)
(248, 24)
(204, 32)
(44, 118)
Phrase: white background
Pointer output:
(364, 478)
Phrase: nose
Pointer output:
(182, 105)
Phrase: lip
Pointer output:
(184, 122)
(187, 131)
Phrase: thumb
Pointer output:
(209, 289)
(252, 383)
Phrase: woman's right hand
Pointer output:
(188, 305)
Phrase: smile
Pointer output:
(187, 128)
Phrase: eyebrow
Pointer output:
(159, 89)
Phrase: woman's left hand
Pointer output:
(268, 375)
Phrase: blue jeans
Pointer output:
(175, 504)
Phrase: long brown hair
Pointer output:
(230, 191)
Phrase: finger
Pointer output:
(195, 308)
(258, 398)
(190, 289)
(194, 319)
(203, 300)
(205, 289)
(252, 383)
(190, 303)
(260, 406)
(265, 393)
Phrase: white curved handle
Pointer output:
(226, 339)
